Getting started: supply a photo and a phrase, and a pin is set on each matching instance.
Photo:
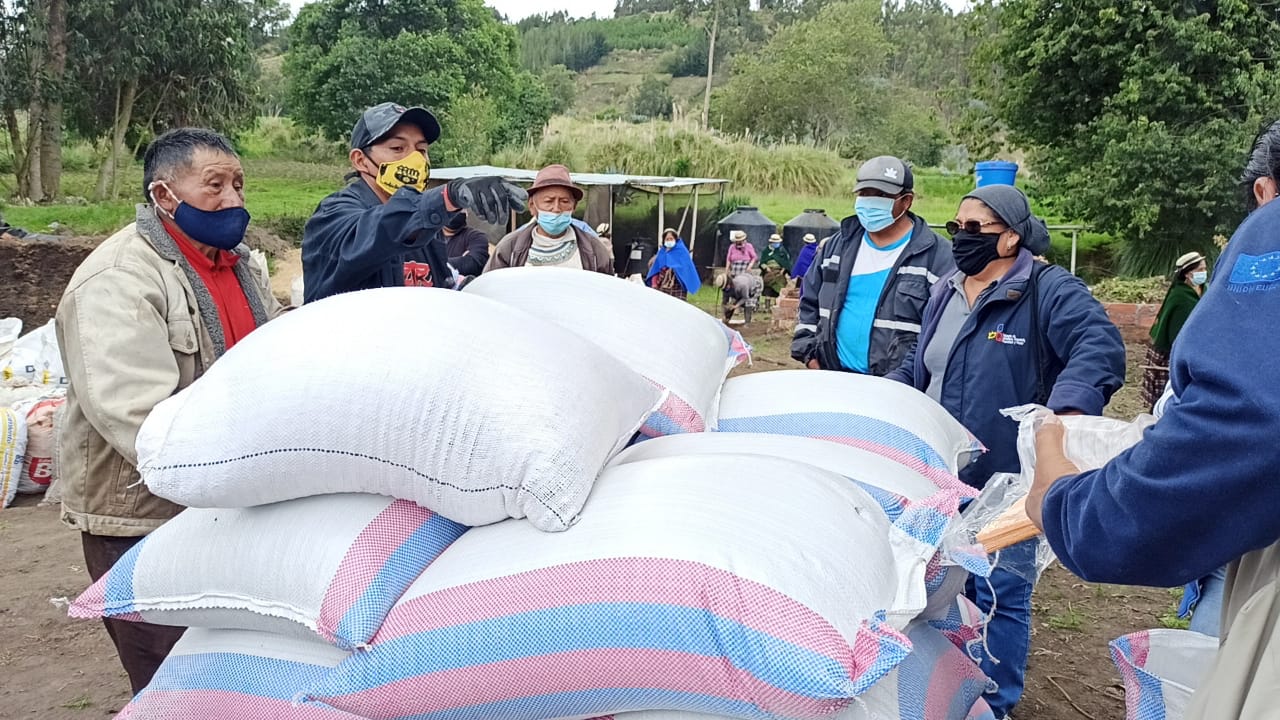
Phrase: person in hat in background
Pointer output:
(742, 287)
(864, 294)
(553, 239)
(805, 258)
(1000, 331)
(1190, 273)
(467, 248)
(383, 229)
(605, 232)
(672, 270)
(775, 261)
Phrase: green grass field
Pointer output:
(281, 194)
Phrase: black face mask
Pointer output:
(974, 251)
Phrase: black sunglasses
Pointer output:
(969, 226)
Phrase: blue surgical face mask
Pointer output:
(875, 213)
(554, 224)
(222, 229)
(1199, 277)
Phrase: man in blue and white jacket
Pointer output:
(864, 295)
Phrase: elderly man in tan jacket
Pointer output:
(144, 316)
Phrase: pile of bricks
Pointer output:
(785, 310)
(1133, 319)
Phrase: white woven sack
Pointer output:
(667, 340)
(887, 417)
(236, 675)
(690, 583)
(37, 462)
(34, 360)
(331, 564)
(473, 409)
(856, 463)
(13, 445)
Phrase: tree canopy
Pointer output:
(1138, 114)
(345, 55)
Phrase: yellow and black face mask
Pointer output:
(410, 171)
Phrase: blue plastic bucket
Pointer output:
(996, 172)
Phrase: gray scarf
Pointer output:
(1011, 205)
(150, 227)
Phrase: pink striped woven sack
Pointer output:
(237, 675)
(935, 682)
(703, 584)
(1161, 670)
(883, 416)
(331, 564)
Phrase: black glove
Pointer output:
(491, 198)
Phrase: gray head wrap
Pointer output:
(1011, 206)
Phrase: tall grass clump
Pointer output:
(666, 149)
(280, 137)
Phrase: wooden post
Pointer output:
(662, 211)
(1075, 236)
(693, 232)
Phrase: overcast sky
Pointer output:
(517, 9)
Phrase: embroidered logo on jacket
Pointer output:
(1255, 273)
(1004, 338)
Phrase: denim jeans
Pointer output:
(1009, 630)
(1207, 614)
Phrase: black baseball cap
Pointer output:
(378, 120)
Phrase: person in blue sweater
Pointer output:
(1199, 490)
(384, 229)
(1004, 330)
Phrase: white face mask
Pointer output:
(668, 244)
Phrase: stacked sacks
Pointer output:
(672, 343)
(32, 387)
(472, 409)
(882, 417)
(704, 584)
(329, 457)
(711, 580)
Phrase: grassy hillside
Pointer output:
(604, 90)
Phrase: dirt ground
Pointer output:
(55, 668)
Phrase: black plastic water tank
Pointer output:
(810, 221)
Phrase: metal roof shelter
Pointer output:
(656, 184)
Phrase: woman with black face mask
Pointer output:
(1007, 330)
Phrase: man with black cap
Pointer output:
(467, 247)
(863, 295)
(383, 230)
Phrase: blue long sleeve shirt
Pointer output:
(354, 241)
(1202, 488)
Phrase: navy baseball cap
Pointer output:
(378, 120)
